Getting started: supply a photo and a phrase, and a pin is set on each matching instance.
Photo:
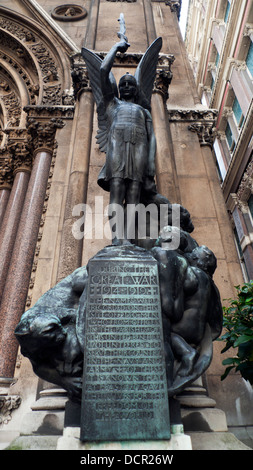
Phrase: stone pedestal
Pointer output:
(124, 380)
(199, 412)
(71, 441)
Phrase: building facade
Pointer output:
(49, 163)
(219, 44)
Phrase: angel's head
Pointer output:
(128, 87)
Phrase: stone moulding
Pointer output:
(200, 121)
(33, 53)
(238, 154)
(69, 12)
(49, 112)
(185, 115)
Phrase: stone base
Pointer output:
(70, 441)
(33, 443)
(216, 441)
(204, 420)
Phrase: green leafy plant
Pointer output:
(238, 324)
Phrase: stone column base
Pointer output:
(71, 441)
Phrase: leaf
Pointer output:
(228, 369)
(231, 360)
(242, 339)
(228, 346)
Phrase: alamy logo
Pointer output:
(134, 221)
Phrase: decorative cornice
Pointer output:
(202, 122)
(48, 112)
(182, 114)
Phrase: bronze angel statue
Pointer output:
(125, 129)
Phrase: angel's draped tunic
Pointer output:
(128, 146)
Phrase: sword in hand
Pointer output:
(123, 45)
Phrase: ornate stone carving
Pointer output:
(248, 29)
(52, 94)
(206, 133)
(204, 115)
(202, 121)
(175, 6)
(69, 12)
(49, 112)
(6, 172)
(24, 42)
(22, 156)
(246, 188)
(32, 89)
(12, 104)
(8, 403)
(46, 61)
(43, 133)
(162, 82)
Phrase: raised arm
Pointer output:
(106, 66)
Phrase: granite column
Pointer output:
(22, 169)
(4, 198)
(165, 167)
(17, 282)
(6, 180)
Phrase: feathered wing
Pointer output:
(93, 63)
(146, 72)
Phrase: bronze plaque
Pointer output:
(124, 382)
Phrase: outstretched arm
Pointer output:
(106, 67)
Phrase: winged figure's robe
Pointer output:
(128, 144)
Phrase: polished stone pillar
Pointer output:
(6, 180)
(71, 248)
(90, 38)
(165, 166)
(4, 197)
(10, 223)
(17, 282)
(149, 19)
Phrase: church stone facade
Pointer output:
(49, 162)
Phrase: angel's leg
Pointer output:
(116, 216)
(133, 192)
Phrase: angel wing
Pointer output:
(146, 72)
(93, 63)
